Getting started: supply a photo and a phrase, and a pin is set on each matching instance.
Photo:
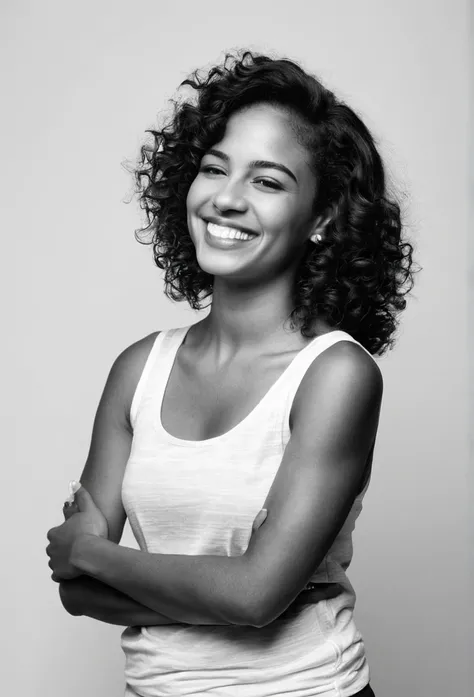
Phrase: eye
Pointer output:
(209, 169)
(269, 184)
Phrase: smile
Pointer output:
(227, 233)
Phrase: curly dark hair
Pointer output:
(357, 276)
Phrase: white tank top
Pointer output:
(201, 497)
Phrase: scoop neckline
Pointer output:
(215, 439)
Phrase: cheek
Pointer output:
(198, 196)
(190, 198)
(279, 217)
(194, 202)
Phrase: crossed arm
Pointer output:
(87, 596)
(335, 417)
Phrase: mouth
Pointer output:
(227, 235)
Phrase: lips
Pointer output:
(230, 224)
(226, 241)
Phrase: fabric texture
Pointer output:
(201, 497)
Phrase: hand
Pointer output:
(82, 518)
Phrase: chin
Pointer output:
(215, 267)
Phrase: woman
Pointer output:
(268, 194)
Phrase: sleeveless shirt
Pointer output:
(201, 497)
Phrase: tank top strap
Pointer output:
(157, 366)
(297, 369)
(273, 409)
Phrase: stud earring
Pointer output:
(316, 238)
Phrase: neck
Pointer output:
(246, 318)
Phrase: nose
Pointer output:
(229, 196)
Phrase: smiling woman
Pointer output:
(268, 197)
(240, 447)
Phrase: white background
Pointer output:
(81, 82)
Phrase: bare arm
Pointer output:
(336, 415)
(112, 434)
(102, 477)
(88, 596)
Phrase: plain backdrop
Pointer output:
(81, 81)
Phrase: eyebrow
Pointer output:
(264, 164)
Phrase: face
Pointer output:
(250, 208)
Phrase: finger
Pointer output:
(84, 500)
(260, 519)
(73, 487)
(69, 509)
(50, 533)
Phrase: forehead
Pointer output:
(264, 132)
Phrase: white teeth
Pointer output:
(227, 232)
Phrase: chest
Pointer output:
(200, 402)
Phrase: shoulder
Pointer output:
(127, 368)
(132, 359)
(343, 374)
(348, 362)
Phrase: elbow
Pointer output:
(268, 612)
(266, 604)
(244, 613)
(259, 603)
(258, 610)
(254, 599)
(262, 617)
(256, 621)
(259, 618)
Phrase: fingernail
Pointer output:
(74, 486)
